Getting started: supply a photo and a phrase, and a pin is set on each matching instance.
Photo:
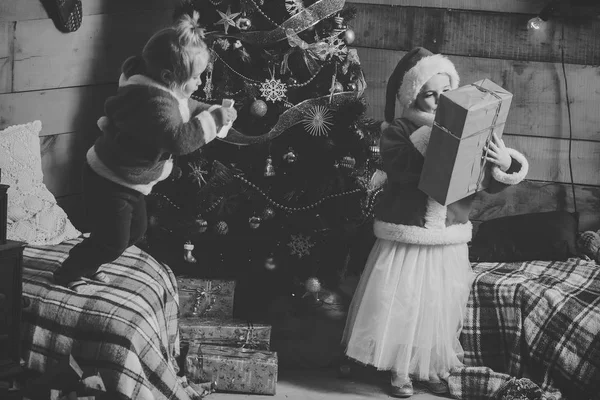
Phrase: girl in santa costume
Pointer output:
(149, 119)
(407, 311)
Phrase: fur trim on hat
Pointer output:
(419, 117)
(515, 177)
(424, 69)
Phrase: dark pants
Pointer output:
(117, 218)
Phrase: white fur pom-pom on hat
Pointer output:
(412, 72)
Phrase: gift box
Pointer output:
(455, 165)
(233, 333)
(205, 297)
(232, 369)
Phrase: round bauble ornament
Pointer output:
(270, 263)
(254, 222)
(291, 82)
(222, 228)
(243, 24)
(349, 36)
(268, 213)
(258, 108)
(200, 225)
(338, 87)
(351, 87)
(312, 285)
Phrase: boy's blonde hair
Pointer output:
(171, 53)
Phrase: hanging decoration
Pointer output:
(318, 121)
(269, 169)
(187, 253)
(273, 90)
(227, 19)
(300, 245)
(293, 7)
(198, 171)
(258, 108)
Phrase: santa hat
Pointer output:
(412, 72)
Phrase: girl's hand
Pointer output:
(497, 153)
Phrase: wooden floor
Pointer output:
(325, 385)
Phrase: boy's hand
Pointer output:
(228, 115)
(497, 153)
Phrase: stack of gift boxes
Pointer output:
(232, 355)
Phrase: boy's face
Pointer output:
(427, 100)
(192, 84)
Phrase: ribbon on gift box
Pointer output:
(233, 352)
(248, 340)
(205, 295)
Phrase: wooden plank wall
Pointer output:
(489, 39)
(63, 80)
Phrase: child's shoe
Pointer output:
(404, 391)
(436, 387)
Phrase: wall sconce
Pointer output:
(537, 22)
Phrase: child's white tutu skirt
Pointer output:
(407, 311)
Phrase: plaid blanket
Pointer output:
(126, 331)
(537, 319)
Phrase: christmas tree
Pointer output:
(285, 198)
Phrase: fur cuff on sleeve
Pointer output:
(209, 127)
(515, 177)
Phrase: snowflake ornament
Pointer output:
(273, 90)
(300, 245)
(198, 172)
(318, 121)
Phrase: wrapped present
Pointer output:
(232, 369)
(233, 333)
(455, 165)
(205, 297)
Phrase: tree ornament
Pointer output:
(237, 44)
(187, 252)
(318, 121)
(312, 285)
(227, 19)
(200, 225)
(291, 81)
(208, 85)
(349, 36)
(243, 23)
(300, 245)
(338, 22)
(374, 150)
(270, 264)
(254, 222)
(268, 213)
(293, 7)
(351, 86)
(269, 169)
(258, 108)
(359, 132)
(273, 90)
(348, 162)
(223, 43)
(198, 171)
(153, 221)
(290, 156)
(338, 87)
(222, 228)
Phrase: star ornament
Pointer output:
(318, 121)
(227, 19)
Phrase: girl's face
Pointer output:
(427, 99)
(192, 84)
